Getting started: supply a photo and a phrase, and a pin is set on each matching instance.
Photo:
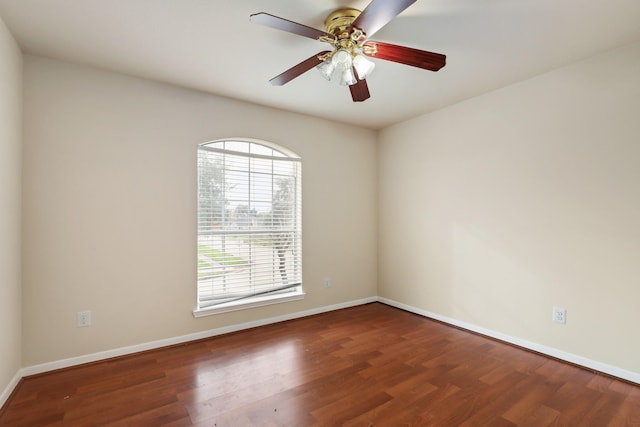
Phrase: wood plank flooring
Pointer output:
(370, 365)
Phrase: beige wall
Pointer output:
(10, 206)
(110, 207)
(498, 208)
(490, 211)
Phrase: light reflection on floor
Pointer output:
(225, 385)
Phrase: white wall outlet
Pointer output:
(83, 319)
(559, 315)
(327, 282)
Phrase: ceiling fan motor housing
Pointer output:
(339, 21)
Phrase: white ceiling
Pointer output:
(211, 46)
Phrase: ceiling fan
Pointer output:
(348, 31)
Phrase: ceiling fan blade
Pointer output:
(359, 90)
(379, 13)
(278, 23)
(297, 70)
(405, 55)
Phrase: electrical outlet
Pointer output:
(559, 315)
(327, 282)
(83, 319)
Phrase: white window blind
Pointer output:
(249, 222)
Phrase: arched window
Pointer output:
(249, 225)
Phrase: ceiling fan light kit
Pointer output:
(348, 31)
(344, 62)
(347, 49)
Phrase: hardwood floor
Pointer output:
(370, 365)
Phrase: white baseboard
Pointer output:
(9, 388)
(549, 351)
(123, 351)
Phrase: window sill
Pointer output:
(250, 303)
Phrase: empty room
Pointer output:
(278, 213)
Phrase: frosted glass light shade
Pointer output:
(326, 69)
(342, 59)
(347, 78)
(363, 66)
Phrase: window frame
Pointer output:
(291, 292)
